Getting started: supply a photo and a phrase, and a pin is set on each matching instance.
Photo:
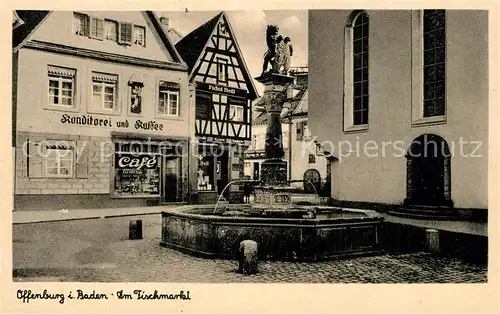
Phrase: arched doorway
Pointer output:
(312, 181)
(428, 172)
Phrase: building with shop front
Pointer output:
(102, 111)
(224, 91)
(400, 100)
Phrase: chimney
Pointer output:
(165, 21)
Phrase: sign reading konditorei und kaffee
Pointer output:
(90, 120)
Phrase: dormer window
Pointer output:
(110, 30)
(80, 24)
(139, 36)
(123, 33)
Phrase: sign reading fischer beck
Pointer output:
(222, 89)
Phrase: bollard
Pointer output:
(433, 240)
(135, 230)
(248, 257)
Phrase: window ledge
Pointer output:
(104, 112)
(356, 128)
(117, 196)
(60, 108)
(429, 121)
(167, 117)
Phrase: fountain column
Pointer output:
(274, 189)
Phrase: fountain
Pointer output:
(283, 230)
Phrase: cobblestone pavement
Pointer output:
(98, 250)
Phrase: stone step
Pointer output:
(424, 215)
(429, 210)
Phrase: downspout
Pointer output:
(192, 88)
(290, 124)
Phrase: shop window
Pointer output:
(61, 87)
(168, 99)
(206, 169)
(137, 170)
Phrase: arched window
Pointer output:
(434, 62)
(428, 67)
(356, 98)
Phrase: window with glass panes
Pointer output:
(236, 113)
(61, 83)
(139, 35)
(168, 102)
(360, 68)
(104, 91)
(59, 161)
(221, 70)
(80, 24)
(110, 30)
(434, 62)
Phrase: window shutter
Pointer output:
(86, 26)
(96, 28)
(35, 159)
(125, 37)
(82, 159)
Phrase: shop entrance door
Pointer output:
(171, 186)
(223, 172)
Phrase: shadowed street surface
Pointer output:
(98, 250)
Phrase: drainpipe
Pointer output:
(290, 124)
(192, 88)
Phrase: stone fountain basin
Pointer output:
(333, 232)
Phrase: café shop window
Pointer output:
(206, 168)
(137, 170)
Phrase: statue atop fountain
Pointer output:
(274, 190)
(279, 52)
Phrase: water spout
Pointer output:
(312, 184)
(227, 185)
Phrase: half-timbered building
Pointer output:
(223, 96)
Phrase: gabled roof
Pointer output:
(31, 19)
(193, 44)
(296, 102)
